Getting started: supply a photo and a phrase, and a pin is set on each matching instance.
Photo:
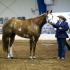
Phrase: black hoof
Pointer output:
(11, 57)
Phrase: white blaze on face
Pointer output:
(50, 17)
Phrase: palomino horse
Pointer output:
(28, 28)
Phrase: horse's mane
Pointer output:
(37, 16)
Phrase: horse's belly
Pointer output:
(23, 35)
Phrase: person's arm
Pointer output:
(54, 25)
(65, 27)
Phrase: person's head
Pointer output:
(61, 18)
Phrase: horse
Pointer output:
(27, 28)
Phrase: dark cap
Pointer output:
(62, 17)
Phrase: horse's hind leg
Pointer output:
(10, 54)
(5, 42)
(30, 48)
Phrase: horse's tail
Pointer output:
(5, 42)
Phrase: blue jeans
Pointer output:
(61, 47)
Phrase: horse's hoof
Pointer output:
(11, 57)
(30, 57)
(34, 57)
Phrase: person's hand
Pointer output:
(51, 23)
(60, 28)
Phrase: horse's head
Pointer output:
(49, 16)
(52, 17)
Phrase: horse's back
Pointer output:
(27, 27)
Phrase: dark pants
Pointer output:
(61, 47)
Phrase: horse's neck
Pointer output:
(42, 21)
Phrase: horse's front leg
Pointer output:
(33, 42)
(34, 47)
(30, 48)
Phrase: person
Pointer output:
(61, 35)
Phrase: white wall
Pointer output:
(60, 6)
(11, 8)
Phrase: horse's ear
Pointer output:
(51, 11)
(47, 12)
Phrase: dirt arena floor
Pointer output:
(46, 52)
